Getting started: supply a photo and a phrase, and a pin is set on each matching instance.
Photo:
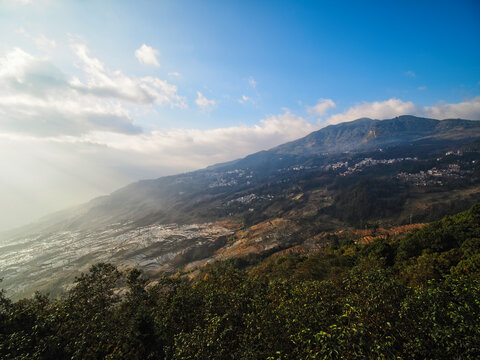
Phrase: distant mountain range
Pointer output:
(396, 171)
(179, 198)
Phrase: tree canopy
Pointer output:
(416, 297)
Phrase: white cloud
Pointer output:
(244, 99)
(195, 148)
(322, 107)
(375, 110)
(468, 109)
(38, 98)
(167, 148)
(41, 41)
(147, 55)
(114, 84)
(421, 88)
(252, 82)
(410, 73)
(203, 103)
(174, 74)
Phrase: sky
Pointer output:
(97, 94)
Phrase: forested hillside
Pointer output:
(410, 297)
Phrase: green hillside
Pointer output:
(413, 297)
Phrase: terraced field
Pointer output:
(49, 261)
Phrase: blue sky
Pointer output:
(96, 94)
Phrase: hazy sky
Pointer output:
(97, 94)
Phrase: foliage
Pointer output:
(412, 298)
(369, 199)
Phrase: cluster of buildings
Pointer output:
(432, 176)
(230, 178)
(247, 199)
(358, 167)
(223, 182)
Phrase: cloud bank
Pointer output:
(38, 98)
(468, 109)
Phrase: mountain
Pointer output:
(362, 173)
(366, 133)
(180, 198)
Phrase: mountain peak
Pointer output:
(364, 133)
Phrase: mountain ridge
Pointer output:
(366, 129)
(156, 197)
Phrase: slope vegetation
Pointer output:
(409, 297)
